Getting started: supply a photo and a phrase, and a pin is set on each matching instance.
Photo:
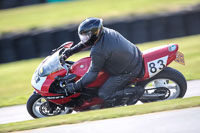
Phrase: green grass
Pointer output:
(48, 15)
(15, 83)
(102, 114)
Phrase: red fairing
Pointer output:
(81, 67)
(66, 99)
(86, 104)
(172, 55)
(58, 101)
(156, 53)
(50, 79)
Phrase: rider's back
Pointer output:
(121, 56)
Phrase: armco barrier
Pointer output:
(192, 23)
(24, 46)
(157, 28)
(175, 26)
(4, 4)
(138, 31)
(43, 41)
(7, 51)
(39, 43)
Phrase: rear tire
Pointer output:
(171, 74)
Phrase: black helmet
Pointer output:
(90, 30)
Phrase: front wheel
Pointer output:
(38, 106)
(168, 84)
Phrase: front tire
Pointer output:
(38, 107)
(32, 99)
(167, 76)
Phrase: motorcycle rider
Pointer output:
(114, 54)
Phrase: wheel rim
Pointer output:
(167, 83)
(36, 107)
(40, 110)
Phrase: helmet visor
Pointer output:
(84, 37)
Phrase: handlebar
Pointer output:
(63, 63)
(62, 85)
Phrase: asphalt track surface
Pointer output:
(177, 121)
(19, 113)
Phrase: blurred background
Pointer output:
(30, 29)
(5, 4)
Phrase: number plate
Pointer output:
(180, 58)
(155, 66)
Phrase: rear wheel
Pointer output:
(168, 84)
(38, 107)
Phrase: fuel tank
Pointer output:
(81, 67)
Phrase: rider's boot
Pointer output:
(114, 100)
(129, 96)
(109, 103)
(139, 91)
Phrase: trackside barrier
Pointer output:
(137, 29)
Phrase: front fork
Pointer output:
(50, 106)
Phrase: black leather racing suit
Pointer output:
(114, 54)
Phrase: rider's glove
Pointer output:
(73, 87)
(65, 55)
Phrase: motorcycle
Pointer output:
(51, 76)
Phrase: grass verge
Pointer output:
(48, 15)
(102, 114)
(15, 86)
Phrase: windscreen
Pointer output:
(51, 65)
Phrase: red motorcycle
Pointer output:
(52, 75)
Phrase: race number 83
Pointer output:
(157, 65)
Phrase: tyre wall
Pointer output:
(39, 43)
(5, 4)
